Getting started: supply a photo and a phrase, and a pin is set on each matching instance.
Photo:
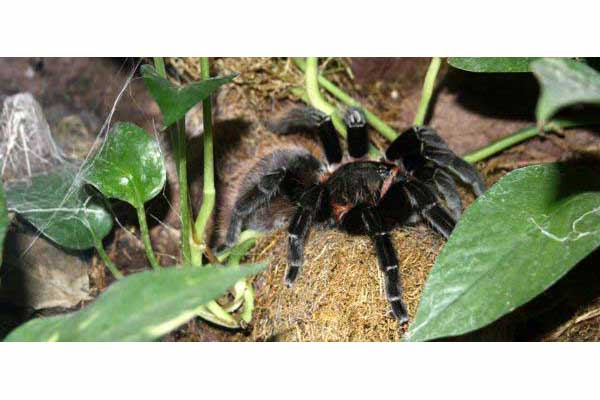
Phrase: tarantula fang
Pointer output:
(354, 193)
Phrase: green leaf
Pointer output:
(60, 206)
(141, 307)
(513, 243)
(492, 64)
(129, 166)
(564, 82)
(3, 221)
(174, 102)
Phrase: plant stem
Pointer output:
(141, 213)
(197, 251)
(208, 190)
(221, 314)
(179, 143)
(317, 101)
(239, 290)
(502, 144)
(314, 95)
(107, 262)
(387, 131)
(239, 251)
(245, 236)
(214, 313)
(312, 87)
(159, 65)
(243, 291)
(428, 86)
(522, 135)
(246, 315)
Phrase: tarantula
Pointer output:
(353, 193)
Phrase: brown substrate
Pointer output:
(338, 295)
(582, 327)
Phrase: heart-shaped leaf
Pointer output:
(492, 64)
(3, 221)
(129, 166)
(61, 208)
(564, 82)
(174, 102)
(141, 307)
(513, 243)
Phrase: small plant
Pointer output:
(70, 206)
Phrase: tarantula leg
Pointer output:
(421, 143)
(298, 230)
(388, 263)
(297, 120)
(257, 196)
(425, 202)
(330, 141)
(436, 150)
(308, 118)
(441, 182)
(358, 139)
(459, 167)
(406, 147)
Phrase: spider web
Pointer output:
(28, 150)
(26, 143)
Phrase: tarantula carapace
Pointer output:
(354, 193)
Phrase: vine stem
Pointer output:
(248, 304)
(179, 142)
(502, 144)
(245, 236)
(159, 65)
(211, 311)
(315, 99)
(312, 87)
(106, 260)
(214, 313)
(522, 135)
(208, 189)
(141, 213)
(387, 131)
(384, 129)
(312, 80)
(243, 290)
(428, 86)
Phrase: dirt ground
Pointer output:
(338, 295)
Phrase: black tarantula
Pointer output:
(354, 193)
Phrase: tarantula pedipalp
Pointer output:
(353, 193)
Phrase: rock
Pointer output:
(41, 275)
